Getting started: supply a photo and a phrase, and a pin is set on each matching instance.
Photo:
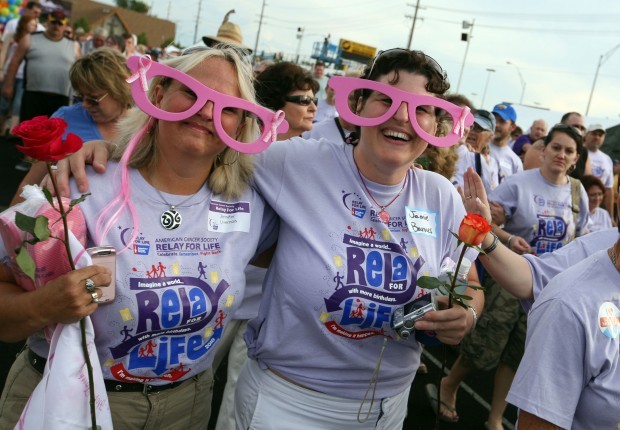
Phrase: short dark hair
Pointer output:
(416, 62)
(319, 63)
(568, 114)
(589, 181)
(278, 80)
(33, 4)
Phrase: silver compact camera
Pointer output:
(403, 319)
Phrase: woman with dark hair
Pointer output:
(27, 24)
(288, 87)
(324, 327)
(544, 210)
(599, 217)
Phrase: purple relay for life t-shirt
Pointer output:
(339, 272)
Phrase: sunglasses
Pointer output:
(302, 100)
(269, 123)
(91, 100)
(56, 22)
(454, 116)
(394, 52)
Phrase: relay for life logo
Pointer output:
(372, 278)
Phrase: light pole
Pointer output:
(521, 78)
(300, 36)
(465, 37)
(601, 60)
(484, 94)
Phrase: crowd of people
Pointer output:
(277, 217)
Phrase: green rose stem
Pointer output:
(444, 349)
(93, 415)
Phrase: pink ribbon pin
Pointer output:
(141, 73)
(272, 134)
(460, 124)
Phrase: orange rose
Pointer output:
(473, 229)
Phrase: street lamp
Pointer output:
(522, 80)
(601, 60)
(484, 94)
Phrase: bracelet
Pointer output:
(493, 244)
(475, 315)
(509, 239)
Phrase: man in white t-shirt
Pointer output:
(602, 165)
(509, 162)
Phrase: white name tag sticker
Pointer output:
(421, 221)
(227, 217)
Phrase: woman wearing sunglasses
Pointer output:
(176, 205)
(357, 226)
(102, 98)
(290, 88)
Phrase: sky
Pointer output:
(555, 46)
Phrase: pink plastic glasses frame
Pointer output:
(343, 86)
(144, 69)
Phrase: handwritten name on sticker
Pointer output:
(421, 221)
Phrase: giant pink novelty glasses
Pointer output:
(270, 123)
(456, 117)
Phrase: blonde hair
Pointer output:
(231, 173)
(103, 69)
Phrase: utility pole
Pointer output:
(168, 13)
(465, 38)
(601, 60)
(415, 17)
(197, 21)
(260, 23)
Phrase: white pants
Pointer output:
(265, 401)
(237, 355)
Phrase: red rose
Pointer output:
(473, 229)
(42, 139)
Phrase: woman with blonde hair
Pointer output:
(102, 99)
(177, 206)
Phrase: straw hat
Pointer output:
(228, 32)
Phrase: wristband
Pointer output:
(475, 315)
(493, 244)
(509, 239)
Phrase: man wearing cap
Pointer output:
(478, 156)
(505, 118)
(602, 165)
(49, 55)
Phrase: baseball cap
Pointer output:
(57, 15)
(485, 119)
(506, 112)
(596, 127)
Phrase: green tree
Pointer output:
(142, 40)
(135, 5)
(82, 23)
